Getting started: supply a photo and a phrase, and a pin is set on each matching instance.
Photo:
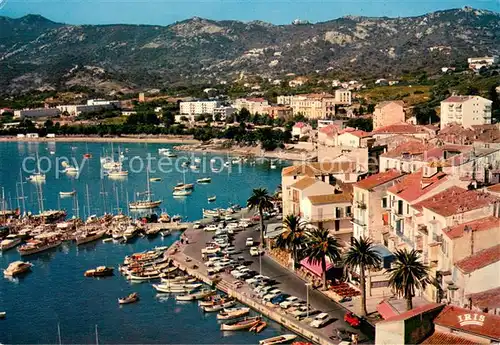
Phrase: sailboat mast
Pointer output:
(22, 190)
(147, 179)
(59, 334)
(88, 200)
(96, 336)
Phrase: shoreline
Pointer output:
(122, 139)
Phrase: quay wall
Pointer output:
(284, 320)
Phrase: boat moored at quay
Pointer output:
(40, 244)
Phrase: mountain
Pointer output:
(38, 53)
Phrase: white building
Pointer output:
(476, 63)
(253, 105)
(224, 112)
(103, 102)
(343, 96)
(466, 111)
(38, 112)
(198, 107)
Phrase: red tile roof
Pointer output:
(494, 189)
(414, 186)
(486, 299)
(386, 310)
(300, 125)
(479, 260)
(361, 134)
(319, 168)
(401, 128)
(485, 325)
(456, 200)
(330, 129)
(378, 179)
(441, 338)
(414, 312)
(409, 147)
(482, 224)
(257, 100)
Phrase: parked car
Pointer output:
(211, 227)
(352, 319)
(197, 225)
(255, 218)
(280, 298)
(273, 293)
(254, 251)
(288, 302)
(249, 242)
(320, 320)
(244, 224)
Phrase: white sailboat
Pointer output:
(38, 176)
(146, 203)
(181, 192)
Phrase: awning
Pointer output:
(315, 267)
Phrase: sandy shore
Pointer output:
(292, 155)
(122, 139)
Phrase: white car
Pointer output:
(210, 250)
(254, 251)
(320, 320)
(211, 227)
(289, 302)
(273, 293)
(244, 224)
(228, 218)
(262, 289)
(197, 225)
(241, 273)
(249, 242)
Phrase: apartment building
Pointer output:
(466, 111)
(223, 112)
(406, 129)
(388, 113)
(343, 96)
(37, 112)
(277, 111)
(198, 107)
(253, 105)
(312, 106)
(301, 129)
(371, 205)
(476, 63)
(351, 137)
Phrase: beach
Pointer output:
(165, 139)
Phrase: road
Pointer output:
(288, 282)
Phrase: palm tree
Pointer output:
(319, 246)
(261, 200)
(408, 274)
(361, 256)
(293, 236)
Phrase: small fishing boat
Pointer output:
(165, 233)
(272, 165)
(280, 339)
(67, 194)
(212, 198)
(101, 271)
(87, 155)
(16, 268)
(9, 242)
(155, 179)
(117, 173)
(37, 178)
(182, 192)
(219, 306)
(168, 288)
(234, 313)
(132, 298)
(106, 240)
(259, 327)
(181, 186)
(241, 324)
(176, 218)
(178, 280)
(2, 314)
(195, 296)
(204, 180)
(71, 170)
(193, 167)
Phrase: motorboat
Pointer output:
(38, 245)
(182, 186)
(182, 192)
(71, 170)
(101, 271)
(117, 173)
(178, 280)
(241, 324)
(176, 218)
(180, 285)
(204, 180)
(195, 296)
(212, 198)
(144, 276)
(130, 232)
(167, 288)
(280, 339)
(218, 306)
(234, 313)
(167, 152)
(16, 268)
(272, 165)
(144, 204)
(90, 236)
(132, 298)
(197, 160)
(37, 178)
(155, 179)
(10, 242)
(2, 314)
(67, 194)
(193, 167)
(152, 232)
(165, 233)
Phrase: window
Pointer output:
(384, 202)
(348, 210)
(407, 208)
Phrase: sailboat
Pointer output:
(182, 190)
(146, 203)
(67, 194)
(37, 177)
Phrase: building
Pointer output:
(223, 112)
(476, 63)
(312, 106)
(351, 137)
(91, 106)
(343, 96)
(253, 105)
(388, 113)
(407, 129)
(479, 136)
(371, 205)
(465, 111)
(198, 107)
(298, 81)
(301, 129)
(37, 112)
(279, 111)
(328, 135)
(103, 102)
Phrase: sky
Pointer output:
(164, 12)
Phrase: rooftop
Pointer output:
(402, 128)
(330, 129)
(300, 125)
(494, 189)
(466, 136)
(456, 200)
(442, 338)
(358, 133)
(414, 312)
(458, 231)
(462, 99)
(479, 260)
(330, 198)
(385, 103)
(304, 183)
(378, 179)
(258, 100)
(486, 299)
(319, 168)
(414, 186)
(487, 325)
(409, 147)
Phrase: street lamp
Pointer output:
(307, 299)
(260, 259)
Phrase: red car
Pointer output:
(352, 319)
(256, 218)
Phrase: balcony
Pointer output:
(359, 222)
(328, 217)
(405, 239)
(361, 205)
(423, 229)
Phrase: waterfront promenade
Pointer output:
(288, 282)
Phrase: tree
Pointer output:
(262, 201)
(293, 236)
(244, 115)
(361, 123)
(408, 274)
(319, 246)
(362, 256)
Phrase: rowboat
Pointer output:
(101, 271)
(204, 180)
(155, 179)
(2, 314)
(195, 296)
(239, 325)
(229, 314)
(172, 289)
(132, 298)
(66, 194)
(212, 198)
(278, 340)
(218, 307)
